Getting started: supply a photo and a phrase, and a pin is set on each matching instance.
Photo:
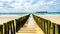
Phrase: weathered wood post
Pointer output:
(42, 24)
(49, 24)
(13, 27)
(46, 27)
(6, 28)
(51, 28)
(1, 29)
(58, 29)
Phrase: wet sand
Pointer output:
(6, 18)
(53, 18)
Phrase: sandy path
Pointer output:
(30, 27)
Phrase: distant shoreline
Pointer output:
(34, 13)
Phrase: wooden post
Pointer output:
(58, 29)
(53, 28)
(6, 31)
(46, 27)
(13, 28)
(43, 25)
(1, 29)
(49, 24)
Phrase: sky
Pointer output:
(7, 6)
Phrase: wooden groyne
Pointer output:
(47, 26)
(11, 27)
(21, 21)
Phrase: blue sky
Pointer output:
(7, 6)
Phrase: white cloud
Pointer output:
(4, 0)
(26, 5)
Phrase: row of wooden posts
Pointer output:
(13, 26)
(47, 26)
